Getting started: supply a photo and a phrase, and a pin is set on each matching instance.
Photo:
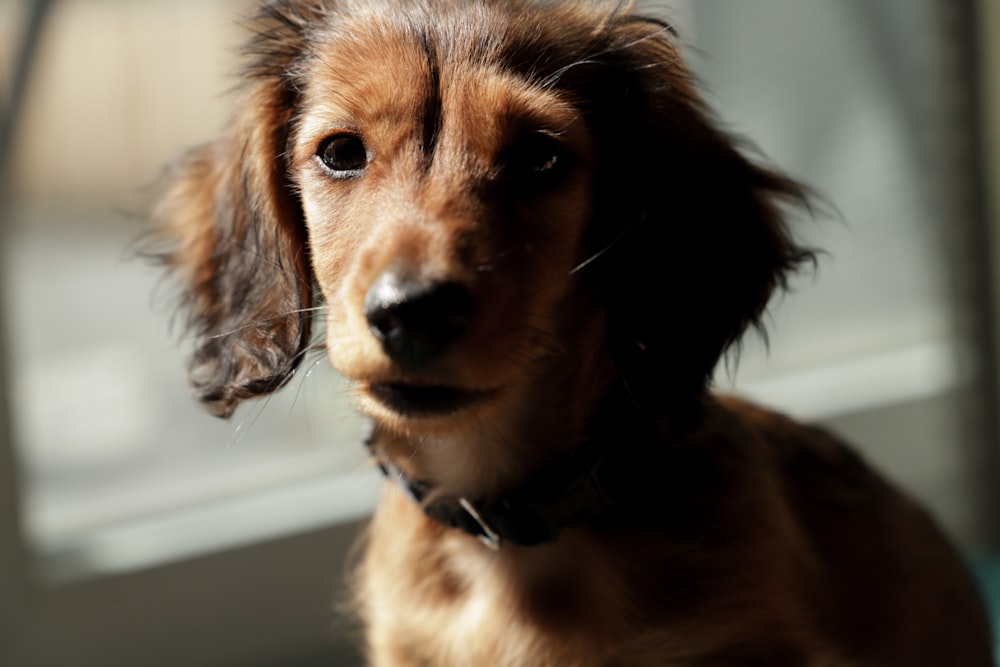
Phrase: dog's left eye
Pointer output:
(343, 155)
(536, 155)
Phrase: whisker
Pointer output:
(243, 428)
(600, 253)
(552, 79)
(263, 322)
(665, 29)
(304, 375)
(594, 58)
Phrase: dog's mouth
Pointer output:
(419, 400)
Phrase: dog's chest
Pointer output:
(425, 625)
(443, 600)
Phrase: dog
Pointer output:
(530, 244)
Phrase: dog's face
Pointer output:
(505, 209)
(445, 213)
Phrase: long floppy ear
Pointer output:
(697, 231)
(235, 237)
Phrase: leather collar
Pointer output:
(582, 487)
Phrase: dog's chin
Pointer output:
(406, 401)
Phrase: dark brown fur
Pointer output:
(604, 291)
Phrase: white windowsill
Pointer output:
(207, 527)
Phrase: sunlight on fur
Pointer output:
(532, 245)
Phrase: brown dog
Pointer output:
(532, 246)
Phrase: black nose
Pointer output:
(416, 320)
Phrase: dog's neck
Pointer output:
(582, 483)
(488, 457)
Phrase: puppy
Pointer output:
(531, 245)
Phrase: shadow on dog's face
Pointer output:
(446, 197)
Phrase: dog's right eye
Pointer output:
(343, 155)
(536, 159)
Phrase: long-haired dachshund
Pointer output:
(532, 244)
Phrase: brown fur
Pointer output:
(604, 289)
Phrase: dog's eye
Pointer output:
(343, 155)
(536, 155)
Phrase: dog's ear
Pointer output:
(697, 231)
(230, 228)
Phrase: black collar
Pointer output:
(582, 487)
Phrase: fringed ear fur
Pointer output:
(699, 233)
(234, 237)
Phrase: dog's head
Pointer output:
(482, 194)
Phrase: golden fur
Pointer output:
(600, 243)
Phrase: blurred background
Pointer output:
(136, 530)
